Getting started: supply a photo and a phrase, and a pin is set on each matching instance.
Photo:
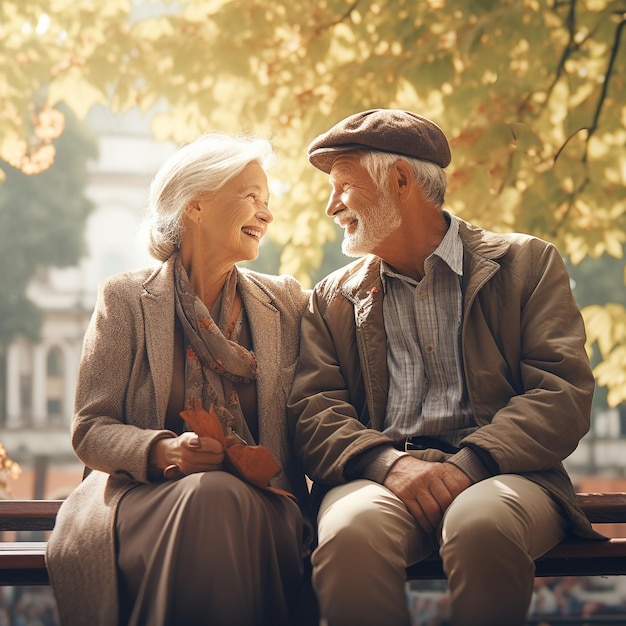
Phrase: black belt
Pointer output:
(425, 443)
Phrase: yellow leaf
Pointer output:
(71, 88)
(611, 373)
(12, 148)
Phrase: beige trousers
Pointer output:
(488, 539)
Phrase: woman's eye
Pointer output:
(257, 200)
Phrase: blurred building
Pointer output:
(41, 377)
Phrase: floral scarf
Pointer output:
(213, 361)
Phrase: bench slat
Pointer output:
(28, 514)
(23, 563)
(594, 558)
(20, 559)
(603, 508)
(600, 508)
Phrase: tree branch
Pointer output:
(605, 85)
(341, 18)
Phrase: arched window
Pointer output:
(55, 371)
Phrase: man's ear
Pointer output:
(401, 177)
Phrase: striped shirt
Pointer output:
(427, 394)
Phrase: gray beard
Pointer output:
(383, 220)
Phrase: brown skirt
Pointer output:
(207, 549)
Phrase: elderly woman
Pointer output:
(159, 532)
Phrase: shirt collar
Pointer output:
(449, 250)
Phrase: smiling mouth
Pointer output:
(346, 219)
(348, 224)
(252, 232)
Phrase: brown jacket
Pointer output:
(526, 369)
(121, 400)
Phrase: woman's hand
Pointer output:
(175, 457)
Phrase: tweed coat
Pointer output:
(122, 394)
(523, 349)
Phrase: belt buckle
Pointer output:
(410, 445)
(427, 443)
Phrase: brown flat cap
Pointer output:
(387, 130)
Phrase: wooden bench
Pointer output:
(573, 557)
(23, 562)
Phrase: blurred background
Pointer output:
(94, 96)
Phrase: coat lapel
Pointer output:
(264, 321)
(365, 291)
(480, 251)
(157, 301)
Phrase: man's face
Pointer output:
(367, 216)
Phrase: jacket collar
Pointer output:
(364, 282)
(263, 318)
(481, 243)
(481, 248)
(363, 288)
(160, 281)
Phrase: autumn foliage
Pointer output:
(530, 93)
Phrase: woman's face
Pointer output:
(233, 220)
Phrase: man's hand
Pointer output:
(426, 488)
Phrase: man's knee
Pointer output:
(362, 524)
(482, 520)
(366, 511)
(346, 529)
(503, 523)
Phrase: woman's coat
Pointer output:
(121, 401)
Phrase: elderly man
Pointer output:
(442, 380)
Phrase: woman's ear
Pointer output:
(193, 211)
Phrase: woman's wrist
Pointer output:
(157, 459)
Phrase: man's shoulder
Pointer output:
(346, 285)
(496, 245)
(354, 273)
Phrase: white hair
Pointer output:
(428, 175)
(201, 166)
